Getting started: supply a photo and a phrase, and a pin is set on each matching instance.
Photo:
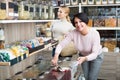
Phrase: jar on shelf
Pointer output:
(75, 2)
(16, 11)
(36, 12)
(31, 9)
(40, 11)
(9, 9)
(50, 11)
(3, 14)
(44, 11)
(24, 11)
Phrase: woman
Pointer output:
(87, 42)
(63, 26)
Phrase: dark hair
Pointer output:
(82, 16)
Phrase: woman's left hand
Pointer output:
(81, 59)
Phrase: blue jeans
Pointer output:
(91, 68)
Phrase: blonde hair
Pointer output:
(67, 11)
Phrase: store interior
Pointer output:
(26, 43)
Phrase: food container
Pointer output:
(110, 44)
(84, 1)
(98, 1)
(36, 12)
(50, 12)
(10, 9)
(110, 1)
(110, 21)
(67, 2)
(23, 11)
(90, 1)
(118, 21)
(16, 11)
(104, 1)
(3, 14)
(74, 2)
(31, 9)
(44, 12)
(40, 11)
(117, 1)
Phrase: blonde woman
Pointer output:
(63, 26)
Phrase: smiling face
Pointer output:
(79, 24)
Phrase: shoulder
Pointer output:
(93, 30)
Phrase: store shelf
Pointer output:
(87, 5)
(35, 52)
(68, 6)
(107, 28)
(23, 21)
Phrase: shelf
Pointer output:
(97, 5)
(47, 46)
(87, 5)
(107, 28)
(68, 6)
(23, 21)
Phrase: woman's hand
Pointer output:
(54, 61)
(81, 59)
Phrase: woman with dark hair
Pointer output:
(87, 42)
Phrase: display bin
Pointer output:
(47, 42)
(36, 48)
(13, 61)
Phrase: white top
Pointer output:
(61, 28)
(88, 45)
